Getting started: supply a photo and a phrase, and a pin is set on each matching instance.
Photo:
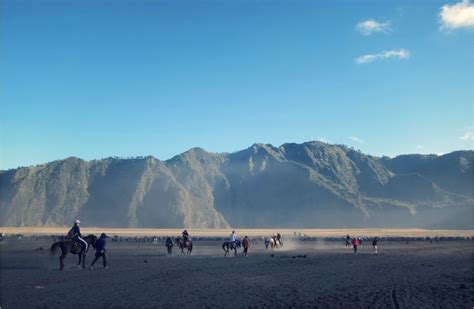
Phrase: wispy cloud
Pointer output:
(369, 26)
(356, 139)
(322, 139)
(467, 136)
(420, 147)
(400, 54)
(459, 15)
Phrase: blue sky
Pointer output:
(94, 79)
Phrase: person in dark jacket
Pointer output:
(75, 234)
(374, 244)
(185, 236)
(246, 245)
(169, 245)
(100, 251)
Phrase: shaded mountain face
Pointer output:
(310, 185)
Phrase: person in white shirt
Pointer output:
(233, 237)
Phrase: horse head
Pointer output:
(91, 240)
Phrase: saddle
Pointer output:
(76, 245)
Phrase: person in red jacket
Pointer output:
(355, 244)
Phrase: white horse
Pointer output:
(274, 244)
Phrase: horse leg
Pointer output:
(61, 261)
(235, 252)
(83, 260)
(79, 261)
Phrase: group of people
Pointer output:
(245, 242)
(100, 251)
(357, 241)
(232, 238)
(75, 234)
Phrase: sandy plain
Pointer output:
(312, 273)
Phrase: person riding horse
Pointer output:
(233, 238)
(75, 234)
(278, 239)
(185, 236)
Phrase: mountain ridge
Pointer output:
(312, 184)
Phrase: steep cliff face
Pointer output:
(295, 185)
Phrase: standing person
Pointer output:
(355, 244)
(246, 245)
(100, 251)
(75, 234)
(169, 245)
(348, 240)
(374, 243)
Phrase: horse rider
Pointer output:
(233, 237)
(274, 237)
(75, 234)
(278, 238)
(185, 236)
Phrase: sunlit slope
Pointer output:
(295, 186)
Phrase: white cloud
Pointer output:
(322, 139)
(468, 136)
(369, 26)
(420, 147)
(459, 15)
(400, 53)
(356, 139)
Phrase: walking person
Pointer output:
(169, 245)
(355, 244)
(100, 251)
(246, 245)
(374, 244)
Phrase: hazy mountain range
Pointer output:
(311, 185)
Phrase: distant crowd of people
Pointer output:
(357, 241)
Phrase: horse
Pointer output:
(72, 246)
(184, 244)
(274, 244)
(231, 245)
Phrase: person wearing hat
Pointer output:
(75, 234)
(100, 251)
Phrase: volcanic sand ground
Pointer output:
(418, 274)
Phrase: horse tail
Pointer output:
(55, 246)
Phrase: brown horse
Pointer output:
(72, 246)
(184, 245)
